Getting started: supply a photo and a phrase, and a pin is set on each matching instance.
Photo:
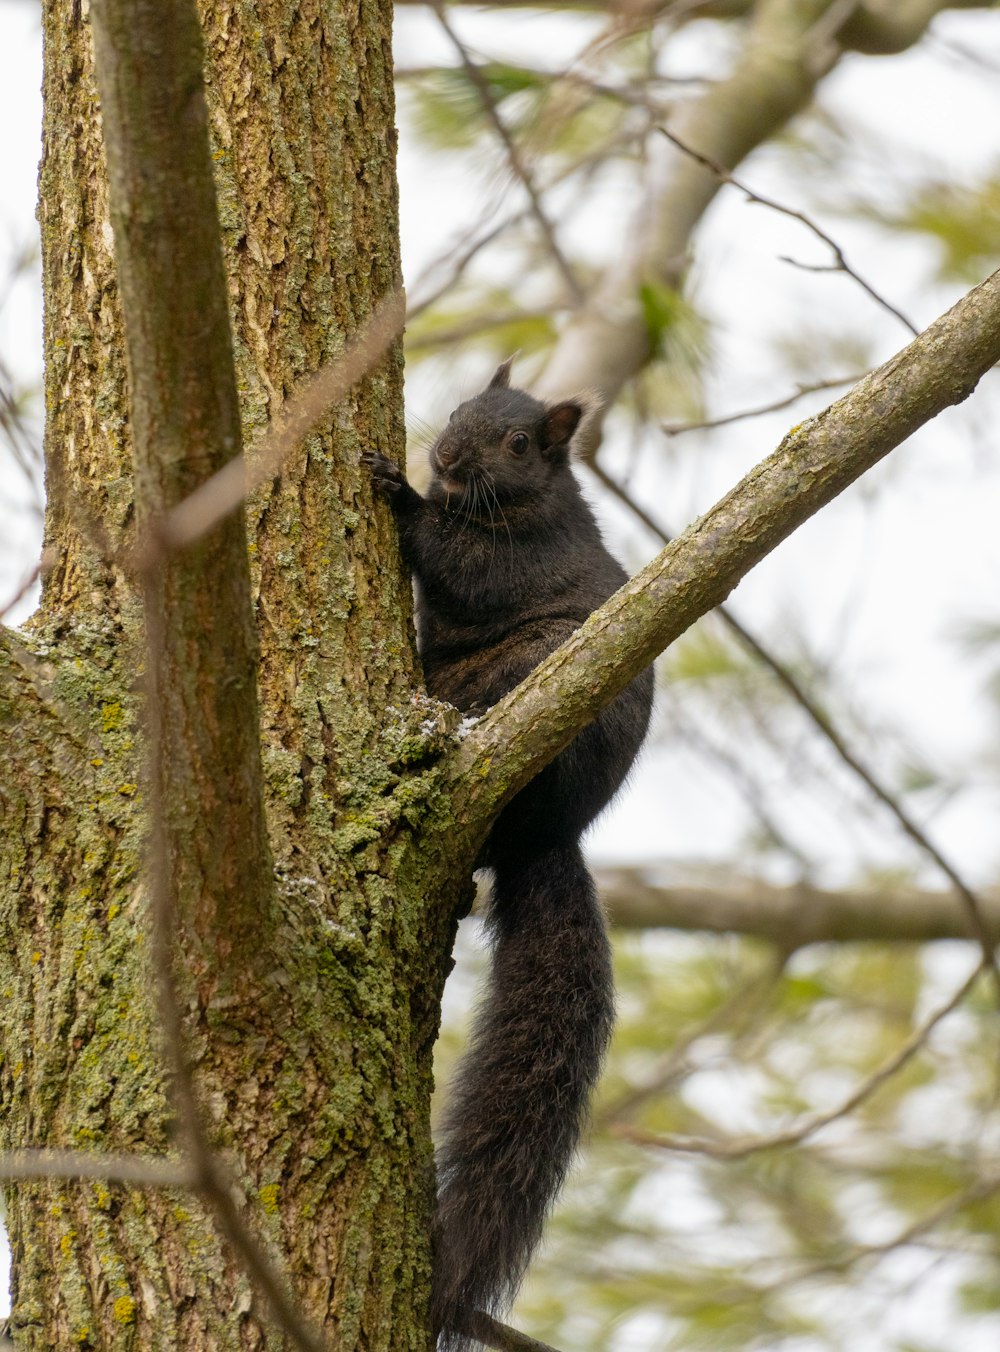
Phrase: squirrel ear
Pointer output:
(561, 421)
(501, 376)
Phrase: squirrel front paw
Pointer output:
(385, 475)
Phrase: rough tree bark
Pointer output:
(317, 1095)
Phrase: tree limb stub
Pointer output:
(816, 461)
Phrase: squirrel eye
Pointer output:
(518, 442)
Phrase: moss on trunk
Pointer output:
(318, 1095)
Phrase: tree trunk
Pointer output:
(317, 1093)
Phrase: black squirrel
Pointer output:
(508, 561)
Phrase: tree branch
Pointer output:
(21, 590)
(971, 903)
(209, 866)
(716, 902)
(607, 342)
(735, 1016)
(186, 425)
(816, 461)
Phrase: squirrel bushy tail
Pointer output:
(522, 1088)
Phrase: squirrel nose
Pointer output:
(447, 454)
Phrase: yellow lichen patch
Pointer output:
(125, 1310)
(112, 716)
(268, 1195)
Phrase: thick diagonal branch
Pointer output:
(816, 461)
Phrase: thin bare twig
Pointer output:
(975, 1192)
(675, 429)
(969, 900)
(964, 54)
(500, 1336)
(622, 93)
(23, 445)
(222, 492)
(726, 753)
(473, 326)
(201, 1173)
(458, 255)
(857, 1253)
(517, 164)
(809, 1126)
(842, 264)
(227, 488)
(133, 1169)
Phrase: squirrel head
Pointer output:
(506, 440)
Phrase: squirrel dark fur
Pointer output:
(508, 561)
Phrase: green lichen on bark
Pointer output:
(319, 1093)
